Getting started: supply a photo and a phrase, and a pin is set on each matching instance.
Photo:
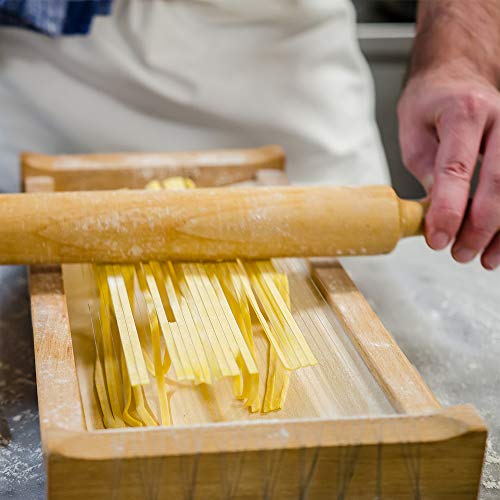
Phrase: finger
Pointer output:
(460, 140)
(419, 146)
(491, 256)
(483, 219)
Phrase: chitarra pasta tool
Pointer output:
(185, 349)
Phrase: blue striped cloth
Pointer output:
(53, 17)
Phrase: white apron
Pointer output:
(162, 75)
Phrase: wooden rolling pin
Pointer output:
(203, 224)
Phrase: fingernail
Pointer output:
(439, 240)
(492, 263)
(464, 254)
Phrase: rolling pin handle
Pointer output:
(411, 217)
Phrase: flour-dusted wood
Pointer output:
(402, 450)
(135, 170)
(203, 224)
(401, 382)
(436, 456)
(57, 383)
(55, 365)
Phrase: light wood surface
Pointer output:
(55, 364)
(401, 382)
(135, 170)
(57, 383)
(435, 457)
(241, 436)
(203, 224)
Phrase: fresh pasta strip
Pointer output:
(185, 313)
(160, 368)
(272, 327)
(178, 183)
(128, 273)
(111, 368)
(266, 275)
(276, 384)
(128, 416)
(233, 333)
(278, 378)
(273, 338)
(245, 385)
(142, 408)
(99, 377)
(178, 331)
(129, 337)
(100, 385)
(184, 320)
(148, 360)
(210, 320)
(215, 355)
(181, 365)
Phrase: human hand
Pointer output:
(447, 118)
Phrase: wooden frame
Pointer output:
(135, 170)
(422, 452)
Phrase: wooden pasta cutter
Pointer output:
(361, 425)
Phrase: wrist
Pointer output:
(456, 71)
(461, 41)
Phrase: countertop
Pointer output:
(444, 316)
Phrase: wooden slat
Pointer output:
(57, 385)
(399, 379)
(135, 170)
(270, 434)
(56, 380)
(436, 456)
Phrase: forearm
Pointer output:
(463, 35)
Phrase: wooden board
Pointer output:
(135, 170)
(367, 427)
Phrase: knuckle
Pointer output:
(414, 159)
(447, 217)
(483, 223)
(456, 170)
(481, 230)
(469, 105)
